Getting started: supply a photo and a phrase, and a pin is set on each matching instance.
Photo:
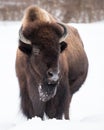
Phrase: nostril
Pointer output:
(50, 74)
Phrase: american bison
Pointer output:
(51, 64)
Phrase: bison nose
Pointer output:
(53, 76)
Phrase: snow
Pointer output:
(87, 106)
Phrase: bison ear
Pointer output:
(63, 45)
(25, 48)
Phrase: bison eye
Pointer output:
(36, 50)
(63, 45)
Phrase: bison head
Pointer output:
(43, 43)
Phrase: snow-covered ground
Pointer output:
(87, 106)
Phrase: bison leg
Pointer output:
(26, 104)
(54, 109)
(31, 108)
(63, 109)
(67, 106)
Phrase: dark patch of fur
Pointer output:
(25, 47)
(42, 30)
(63, 45)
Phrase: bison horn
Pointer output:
(22, 38)
(65, 32)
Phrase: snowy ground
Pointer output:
(87, 107)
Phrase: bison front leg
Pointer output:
(26, 104)
(63, 99)
(67, 107)
(63, 108)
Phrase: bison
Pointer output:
(51, 64)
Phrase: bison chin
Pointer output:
(47, 92)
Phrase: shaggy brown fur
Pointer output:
(34, 61)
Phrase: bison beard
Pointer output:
(47, 94)
(51, 65)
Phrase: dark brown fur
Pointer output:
(31, 68)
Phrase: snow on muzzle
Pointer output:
(47, 92)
